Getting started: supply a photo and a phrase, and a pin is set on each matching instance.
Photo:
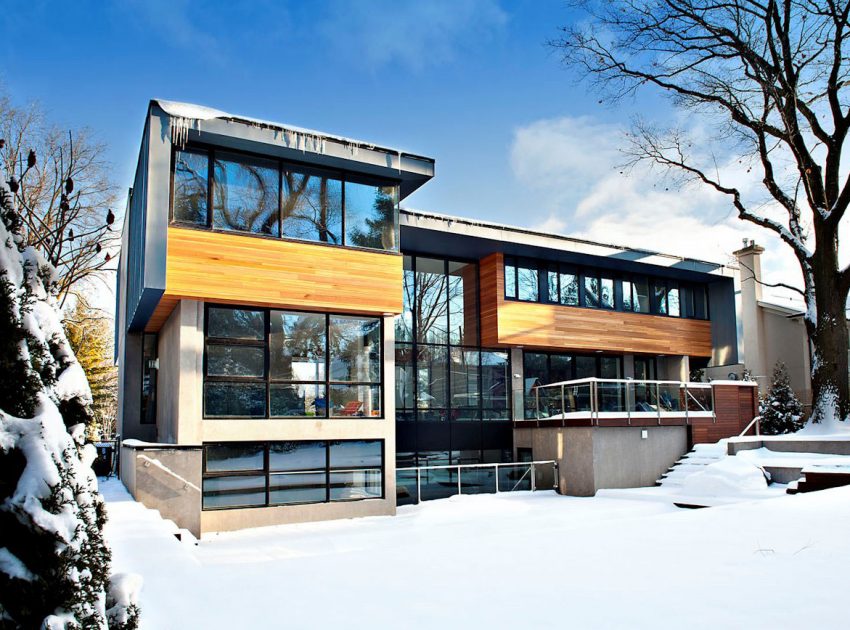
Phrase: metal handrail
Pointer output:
(458, 467)
(593, 389)
(755, 421)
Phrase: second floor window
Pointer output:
(288, 364)
(231, 191)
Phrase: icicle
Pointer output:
(178, 127)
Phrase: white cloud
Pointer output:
(570, 167)
(413, 34)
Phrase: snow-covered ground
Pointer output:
(518, 560)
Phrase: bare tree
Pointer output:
(61, 185)
(769, 78)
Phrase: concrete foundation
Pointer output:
(593, 458)
(167, 480)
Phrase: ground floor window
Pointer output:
(256, 474)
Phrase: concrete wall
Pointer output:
(180, 376)
(593, 458)
(167, 480)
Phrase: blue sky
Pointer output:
(471, 83)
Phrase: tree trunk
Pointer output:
(829, 337)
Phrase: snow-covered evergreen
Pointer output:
(780, 410)
(54, 564)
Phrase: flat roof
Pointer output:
(526, 240)
(188, 121)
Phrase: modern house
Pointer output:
(294, 346)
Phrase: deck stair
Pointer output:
(695, 460)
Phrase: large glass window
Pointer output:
(235, 364)
(442, 374)
(432, 307)
(371, 216)
(568, 288)
(259, 195)
(463, 303)
(404, 322)
(495, 385)
(510, 277)
(527, 282)
(191, 181)
(289, 473)
(312, 207)
(245, 194)
(291, 364)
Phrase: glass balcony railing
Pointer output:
(596, 398)
(423, 483)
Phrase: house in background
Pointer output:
(769, 332)
(293, 346)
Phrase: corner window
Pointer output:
(191, 180)
(371, 216)
(281, 364)
(226, 190)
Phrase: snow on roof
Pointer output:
(191, 111)
(524, 230)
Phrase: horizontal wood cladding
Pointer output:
(240, 269)
(734, 407)
(551, 326)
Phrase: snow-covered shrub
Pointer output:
(780, 410)
(54, 563)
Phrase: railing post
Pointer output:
(497, 478)
(537, 398)
(533, 484)
(459, 491)
(563, 406)
(418, 485)
(687, 421)
(658, 401)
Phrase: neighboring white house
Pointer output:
(768, 332)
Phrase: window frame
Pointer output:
(267, 379)
(343, 175)
(413, 346)
(268, 473)
(583, 273)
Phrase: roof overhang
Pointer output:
(467, 238)
(202, 124)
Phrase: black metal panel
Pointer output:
(497, 435)
(417, 240)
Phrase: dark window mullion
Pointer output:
(210, 187)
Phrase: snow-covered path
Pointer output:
(505, 561)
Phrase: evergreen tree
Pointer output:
(54, 563)
(781, 411)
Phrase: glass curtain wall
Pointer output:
(448, 388)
